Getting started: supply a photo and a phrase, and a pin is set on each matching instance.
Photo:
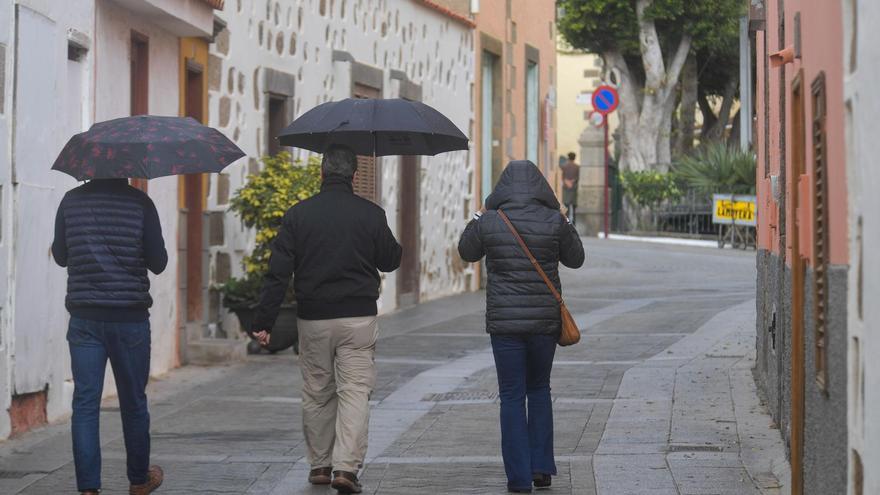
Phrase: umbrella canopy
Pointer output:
(375, 127)
(146, 147)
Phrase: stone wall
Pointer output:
(317, 44)
(825, 420)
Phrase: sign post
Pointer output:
(605, 101)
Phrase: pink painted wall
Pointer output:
(822, 51)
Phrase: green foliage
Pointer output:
(718, 168)
(261, 205)
(649, 188)
(598, 26)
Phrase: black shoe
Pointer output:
(542, 480)
(511, 489)
(345, 482)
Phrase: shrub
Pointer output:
(261, 205)
(718, 168)
(648, 187)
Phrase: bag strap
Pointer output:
(535, 263)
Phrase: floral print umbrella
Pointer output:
(146, 147)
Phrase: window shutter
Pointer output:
(820, 228)
(365, 183)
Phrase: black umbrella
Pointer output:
(145, 147)
(375, 127)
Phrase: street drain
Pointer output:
(695, 448)
(461, 396)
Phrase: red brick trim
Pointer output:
(448, 13)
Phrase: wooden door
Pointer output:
(408, 231)
(194, 199)
(798, 352)
(139, 76)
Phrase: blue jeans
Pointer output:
(127, 345)
(523, 364)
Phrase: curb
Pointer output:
(676, 241)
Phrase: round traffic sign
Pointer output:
(605, 99)
(597, 119)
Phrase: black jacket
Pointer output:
(334, 243)
(517, 300)
(108, 235)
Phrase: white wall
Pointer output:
(112, 87)
(7, 41)
(439, 57)
(862, 110)
(45, 83)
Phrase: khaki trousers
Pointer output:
(339, 373)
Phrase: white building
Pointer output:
(861, 72)
(277, 59)
(63, 66)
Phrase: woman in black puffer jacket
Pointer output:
(522, 316)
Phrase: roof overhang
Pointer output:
(184, 18)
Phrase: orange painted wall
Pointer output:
(822, 51)
(535, 26)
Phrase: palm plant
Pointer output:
(718, 168)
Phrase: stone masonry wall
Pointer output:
(315, 44)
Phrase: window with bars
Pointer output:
(820, 229)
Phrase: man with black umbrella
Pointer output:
(334, 244)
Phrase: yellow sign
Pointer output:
(729, 209)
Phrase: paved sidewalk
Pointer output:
(658, 398)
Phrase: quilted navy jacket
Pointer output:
(108, 235)
(517, 300)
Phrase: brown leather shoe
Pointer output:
(345, 482)
(155, 476)
(320, 476)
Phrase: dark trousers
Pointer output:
(571, 212)
(127, 346)
(523, 364)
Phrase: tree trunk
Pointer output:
(629, 110)
(709, 117)
(715, 132)
(660, 84)
(684, 142)
(733, 139)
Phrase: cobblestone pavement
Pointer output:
(658, 398)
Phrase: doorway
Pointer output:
(194, 203)
(490, 122)
(408, 231)
(798, 352)
(140, 84)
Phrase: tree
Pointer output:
(646, 44)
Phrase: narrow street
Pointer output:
(658, 398)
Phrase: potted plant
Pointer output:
(261, 205)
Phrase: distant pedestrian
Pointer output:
(108, 235)
(571, 177)
(522, 317)
(334, 243)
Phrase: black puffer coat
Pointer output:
(518, 301)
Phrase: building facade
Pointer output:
(803, 234)
(862, 106)
(515, 88)
(275, 60)
(64, 66)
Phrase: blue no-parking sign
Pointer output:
(605, 99)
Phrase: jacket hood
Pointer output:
(522, 183)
